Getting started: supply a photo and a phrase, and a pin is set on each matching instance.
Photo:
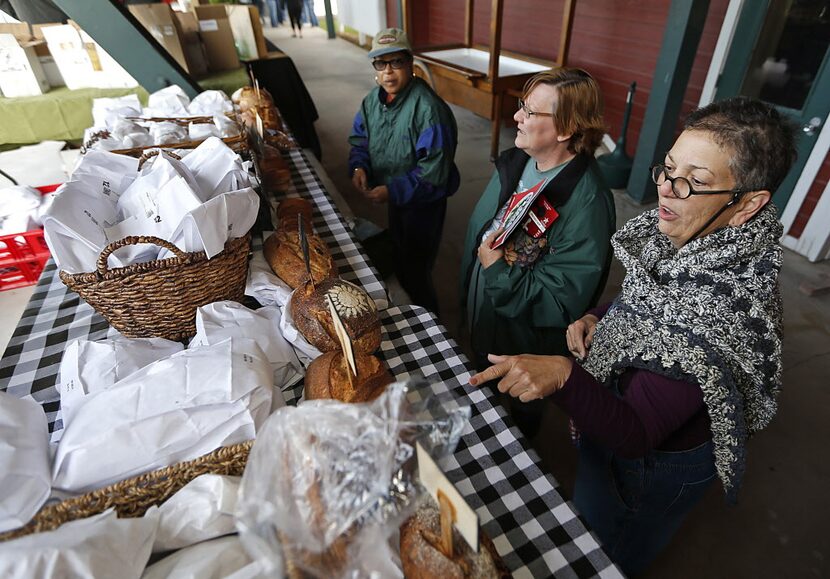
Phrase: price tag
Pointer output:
(260, 130)
(441, 489)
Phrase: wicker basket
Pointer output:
(132, 497)
(159, 298)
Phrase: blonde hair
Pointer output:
(579, 110)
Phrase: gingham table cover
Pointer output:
(534, 529)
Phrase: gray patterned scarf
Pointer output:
(709, 313)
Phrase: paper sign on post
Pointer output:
(434, 480)
(343, 336)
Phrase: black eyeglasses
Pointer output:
(395, 63)
(530, 113)
(681, 187)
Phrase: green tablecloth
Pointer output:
(59, 115)
(63, 114)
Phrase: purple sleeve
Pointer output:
(652, 408)
(599, 311)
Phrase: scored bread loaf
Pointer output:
(422, 558)
(327, 377)
(310, 310)
(289, 209)
(284, 254)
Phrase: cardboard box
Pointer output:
(82, 62)
(162, 25)
(215, 30)
(20, 72)
(20, 30)
(47, 62)
(194, 50)
(247, 31)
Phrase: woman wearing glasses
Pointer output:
(521, 295)
(402, 153)
(685, 365)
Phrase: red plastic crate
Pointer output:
(23, 255)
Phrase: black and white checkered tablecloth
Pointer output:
(532, 526)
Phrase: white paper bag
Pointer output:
(105, 173)
(221, 320)
(74, 227)
(305, 351)
(170, 101)
(209, 226)
(176, 409)
(263, 284)
(203, 509)
(98, 546)
(210, 102)
(25, 479)
(201, 131)
(223, 558)
(89, 367)
(167, 133)
(106, 112)
(216, 168)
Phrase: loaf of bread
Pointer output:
(289, 210)
(246, 98)
(422, 558)
(310, 310)
(327, 377)
(284, 254)
(276, 176)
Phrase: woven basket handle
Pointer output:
(135, 240)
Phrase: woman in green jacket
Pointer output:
(521, 296)
(402, 153)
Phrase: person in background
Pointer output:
(685, 365)
(520, 296)
(295, 10)
(308, 13)
(275, 8)
(402, 153)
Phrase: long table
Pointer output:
(533, 527)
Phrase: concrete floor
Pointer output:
(779, 528)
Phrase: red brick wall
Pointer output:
(810, 202)
(618, 41)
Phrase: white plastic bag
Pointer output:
(327, 471)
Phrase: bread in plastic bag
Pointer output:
(327, 484)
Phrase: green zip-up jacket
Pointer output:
(407, 145)
(527, 309)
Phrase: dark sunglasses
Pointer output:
(395, 63)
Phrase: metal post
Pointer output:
(671, 76)
(330, 20)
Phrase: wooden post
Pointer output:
(407, 20)
(565, 34)
(469, 16)
(496, 15)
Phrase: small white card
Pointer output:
(434, 480)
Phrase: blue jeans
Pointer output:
(635, 506)
(275, 8)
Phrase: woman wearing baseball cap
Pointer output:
(402, 153)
